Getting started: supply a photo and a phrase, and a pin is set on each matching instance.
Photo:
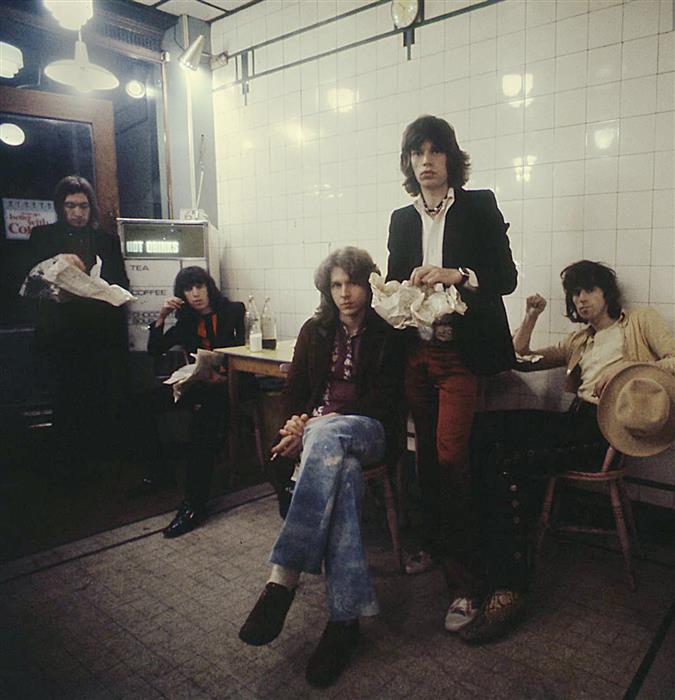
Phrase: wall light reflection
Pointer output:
(515, 85)
(341, 99)
(295, 132)
(523, 168)
(604, 138)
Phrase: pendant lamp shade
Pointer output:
(81, 74)
(11, 60)
(71, 14)
(192, 55)
(12, 134)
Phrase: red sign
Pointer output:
(21, 215)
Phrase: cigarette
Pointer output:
(274, 456)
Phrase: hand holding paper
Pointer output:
(404, 305)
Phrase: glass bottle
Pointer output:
(250, 316)
(268, 325)
(255, 344)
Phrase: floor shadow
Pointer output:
(41, 508)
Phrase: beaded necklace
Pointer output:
(432, 211)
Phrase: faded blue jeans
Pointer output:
(323, 523)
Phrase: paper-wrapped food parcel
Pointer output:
(404, 305)
(57, 279)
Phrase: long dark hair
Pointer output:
(357, 263)
(586, 274)
(72, 184)
(442, 135)
(188, 277)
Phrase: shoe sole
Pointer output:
(256, 642)
(173, 535)
(495, 632)
(459, 626)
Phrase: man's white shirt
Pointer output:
(433, 229)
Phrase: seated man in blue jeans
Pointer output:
(342, 398)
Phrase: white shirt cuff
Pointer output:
(472, 283)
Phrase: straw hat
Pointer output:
(636, 412)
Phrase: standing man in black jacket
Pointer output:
(83, 341)
(450, 236)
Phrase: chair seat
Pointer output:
(611, 475)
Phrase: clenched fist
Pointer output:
(534, 305)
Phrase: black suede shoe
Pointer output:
(186, 519)
(265, 622)
(333, 652)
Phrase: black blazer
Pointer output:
(52, 239)
(474, 237)
(229, 330)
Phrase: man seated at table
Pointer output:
(511, 447)
(205, 319)
(342, 401)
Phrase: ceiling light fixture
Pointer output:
(80, 73)
(135, 88)
(11, 60)
(71, 14)
(12, 134)
(192, 56)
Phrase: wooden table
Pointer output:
(241, 359)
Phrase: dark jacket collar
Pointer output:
(373, 324)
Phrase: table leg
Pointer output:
(233, 418)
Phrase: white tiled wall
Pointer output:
(566, 107)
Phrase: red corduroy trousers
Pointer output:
(441, 394)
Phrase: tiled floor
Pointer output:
(128, 614)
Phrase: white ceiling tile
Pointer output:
(229, 4)
(193, 8)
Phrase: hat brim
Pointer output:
(616, 434)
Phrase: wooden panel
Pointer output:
(269, 368)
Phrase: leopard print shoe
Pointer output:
(499, 614)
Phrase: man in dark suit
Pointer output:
(82, 343)
(450, 236)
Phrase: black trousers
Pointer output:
(89, 387)
(509, 450)
(207, 406)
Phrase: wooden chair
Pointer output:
(611, 473)
(250, 409)
(380, 472)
